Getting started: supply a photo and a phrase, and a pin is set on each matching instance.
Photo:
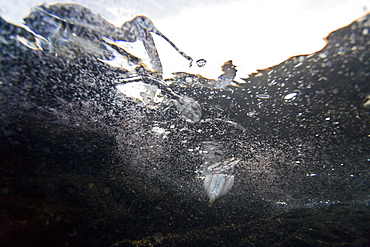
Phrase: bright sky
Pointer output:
(255, 34)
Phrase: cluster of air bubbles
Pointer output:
(219, 178)
(216, 170)
(189, 109)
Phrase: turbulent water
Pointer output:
(87, 121)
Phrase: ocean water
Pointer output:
(99, 148)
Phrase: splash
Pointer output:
(70, 29)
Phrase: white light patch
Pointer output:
(253, 34)
(290, 96)
(138, 50)
(160, 131)
(144, 92)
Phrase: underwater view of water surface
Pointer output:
(100, 147)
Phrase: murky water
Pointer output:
(99, 149)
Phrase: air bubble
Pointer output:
(291, 97)
(263, 96)
(201, 62)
